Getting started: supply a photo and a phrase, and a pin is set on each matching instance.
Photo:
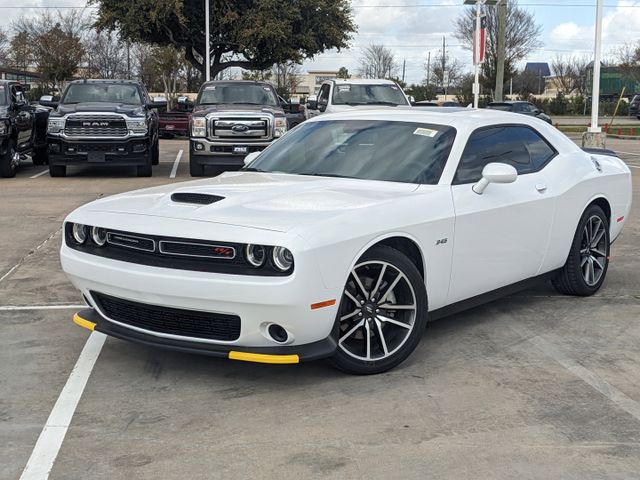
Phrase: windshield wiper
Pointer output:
(253, 169)
(317, 174)
(382, 103)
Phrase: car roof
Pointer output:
(235, 82)
(105, 80)
(362, 81)
(508, 102)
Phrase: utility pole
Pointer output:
(502, 28)
(128, 60)
(444, 65)
(594, 136)
(207, 54)
(404, 66)
(429, 69)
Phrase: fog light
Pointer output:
(79, 232)
(99, 236)
(199, 146)
(256, 255)
(282, 258)
(278, 333)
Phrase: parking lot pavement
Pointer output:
(536, 385)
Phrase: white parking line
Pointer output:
(39, 174)
(50, 440)
(632, 166)
(20, 308)
(174, 170)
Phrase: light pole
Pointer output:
(476, 46)
(595, 96)
(207, 54)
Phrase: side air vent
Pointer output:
(197, 198)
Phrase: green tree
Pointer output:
(421, 92)
(251, 34)
(57, 55)
(343, 73)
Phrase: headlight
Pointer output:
(99, 236)
(138, 125)
(55, 125)
(281, 126)
(282, 258)
(256, 255)
(79, 232)
(3, 128)
(199, 127)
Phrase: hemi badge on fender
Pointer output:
(619, 219)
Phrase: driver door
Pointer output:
(501, 236)
(24, 116)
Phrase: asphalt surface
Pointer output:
(533, 386)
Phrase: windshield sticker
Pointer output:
(266, 89)
(425, 132)
(209, 88)
(393, 87)
(344, 88)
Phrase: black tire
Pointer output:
(57, 170)
(144, 170)
(40, 156)
(572, 278)
(413, 284)
(7, 164)
(195, 169)
(155, 152)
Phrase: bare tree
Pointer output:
(19, 55)
(169, 63)
(377, 61)
(565, 76)
(443, 62)
(106, 56)
(4, 46)
(288, 77)
(522, 37)
(628, 59)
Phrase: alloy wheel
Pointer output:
(593, 250)
(378, 311)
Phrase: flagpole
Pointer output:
(476, 57)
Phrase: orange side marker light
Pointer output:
(326, 303)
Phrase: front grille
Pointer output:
(167, 320)
(198, 198)
(202, 250)
(241, 128)
(96, 126)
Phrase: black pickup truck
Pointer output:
(23, 129)
(230, 120)
(103, 123)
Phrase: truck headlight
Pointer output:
(281, 126)
(137, 125)
(199, 127)
(55, 125)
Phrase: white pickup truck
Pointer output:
(342, 95)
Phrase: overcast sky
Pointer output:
(412, 28)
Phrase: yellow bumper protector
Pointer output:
(83, 323)
(263, 358)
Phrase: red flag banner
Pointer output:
(477, 59)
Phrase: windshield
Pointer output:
(102, 93)
(244, 93)
(356, 94)
(3, 95)
(505, 107)
(364, 149)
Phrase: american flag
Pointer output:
(477, 59)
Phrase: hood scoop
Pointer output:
(195, 198)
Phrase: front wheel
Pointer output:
(155, 152)
(588, 260)
(9, 161)
(382, 314)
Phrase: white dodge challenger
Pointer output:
(343, 238)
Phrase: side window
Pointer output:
(518, 146)
(323, 96)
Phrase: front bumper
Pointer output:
(257, 301)
(125, 152)
(92, 320)
(223, 153)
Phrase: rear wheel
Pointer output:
(9, 161)
(144, 170)
(588, 261)
(382, 315)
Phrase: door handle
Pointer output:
(541, 187)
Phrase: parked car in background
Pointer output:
(294, 112)
(634, 106)
(23, 129)
(522, 107)
(230, 120)
(343, 95)
(103, 123)
(176, 121)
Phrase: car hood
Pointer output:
(236, 108)
(124, 108)
(276, 202)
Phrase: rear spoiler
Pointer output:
(601, 151)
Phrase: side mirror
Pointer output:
(157, 104)
(250, 158)
(412, 99)
(322, 105)
(495, 173)
(312, 104)
(47, 101)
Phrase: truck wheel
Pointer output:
(155, 152)
(144, 170)
(9, 161)
(195, 169)
(57, 170)
(40, 156)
